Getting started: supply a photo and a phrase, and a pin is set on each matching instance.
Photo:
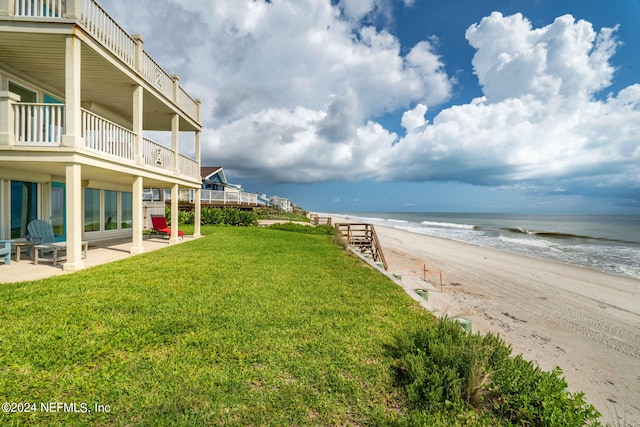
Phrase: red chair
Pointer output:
(161, 227)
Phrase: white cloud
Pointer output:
(540, 119)
(414, 119)
(566, 58)
(288, 86)
(289, 89)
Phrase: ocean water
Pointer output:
(609, 243)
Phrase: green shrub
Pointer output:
(304, 229)
(185, 217)
(216, 216)
(442, 368)
(211, 216)
(527, 395)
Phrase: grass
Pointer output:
(256, 326)
(246, 326)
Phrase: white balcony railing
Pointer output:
(155, 75)
(214, 197)
(39, 8)
(107, 137)
(188, 167)
(187, 104)
(107, 30)
(157, 156)
(42, 125)
(38, 124)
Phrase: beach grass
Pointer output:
(246, 326)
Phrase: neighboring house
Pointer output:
(282, 204)
(216, 191)
(213, 178)
(76, 94)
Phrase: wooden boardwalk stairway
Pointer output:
(363, 237)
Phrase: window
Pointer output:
(110, 210)
(127, 212)
(113, 208)
(26, 95)
(91, 209)
(58, 210)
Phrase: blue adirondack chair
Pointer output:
(41, 232)
(5, 251)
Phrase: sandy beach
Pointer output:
(584, 321)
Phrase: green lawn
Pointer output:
(246, 326)
(255, 326)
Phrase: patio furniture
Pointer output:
(19, 245)
(5, 251)
(160, 226)
(44, 240)
(57, 247)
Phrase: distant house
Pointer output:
(76, 94)
(282, 204)
(213, 178)
(216, 191)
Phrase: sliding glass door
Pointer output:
(24, 207)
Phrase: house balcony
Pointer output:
(44, 20)
(214, 198)
(26, 126)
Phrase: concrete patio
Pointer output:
(99, 253)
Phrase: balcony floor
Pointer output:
(98, 253)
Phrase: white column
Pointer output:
(6, 7)
(73, 9)
(137, 38)
(174, 214)
(198, 201)
(138, 217)
(73, 119)
(7, 117)
(198, 103)
(197, 214)
(138, 126)
(175, 129)
(198, 153)
(73, 179)
(176, 87)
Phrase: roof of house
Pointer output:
(207, 171)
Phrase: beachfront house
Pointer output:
(282, 204)
(77, 93)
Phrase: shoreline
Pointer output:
(583, 320)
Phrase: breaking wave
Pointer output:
(449, 225)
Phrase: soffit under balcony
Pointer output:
(39, 58)
(35, 171)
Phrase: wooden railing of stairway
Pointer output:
(364, 238)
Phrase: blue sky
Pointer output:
(412, 105)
